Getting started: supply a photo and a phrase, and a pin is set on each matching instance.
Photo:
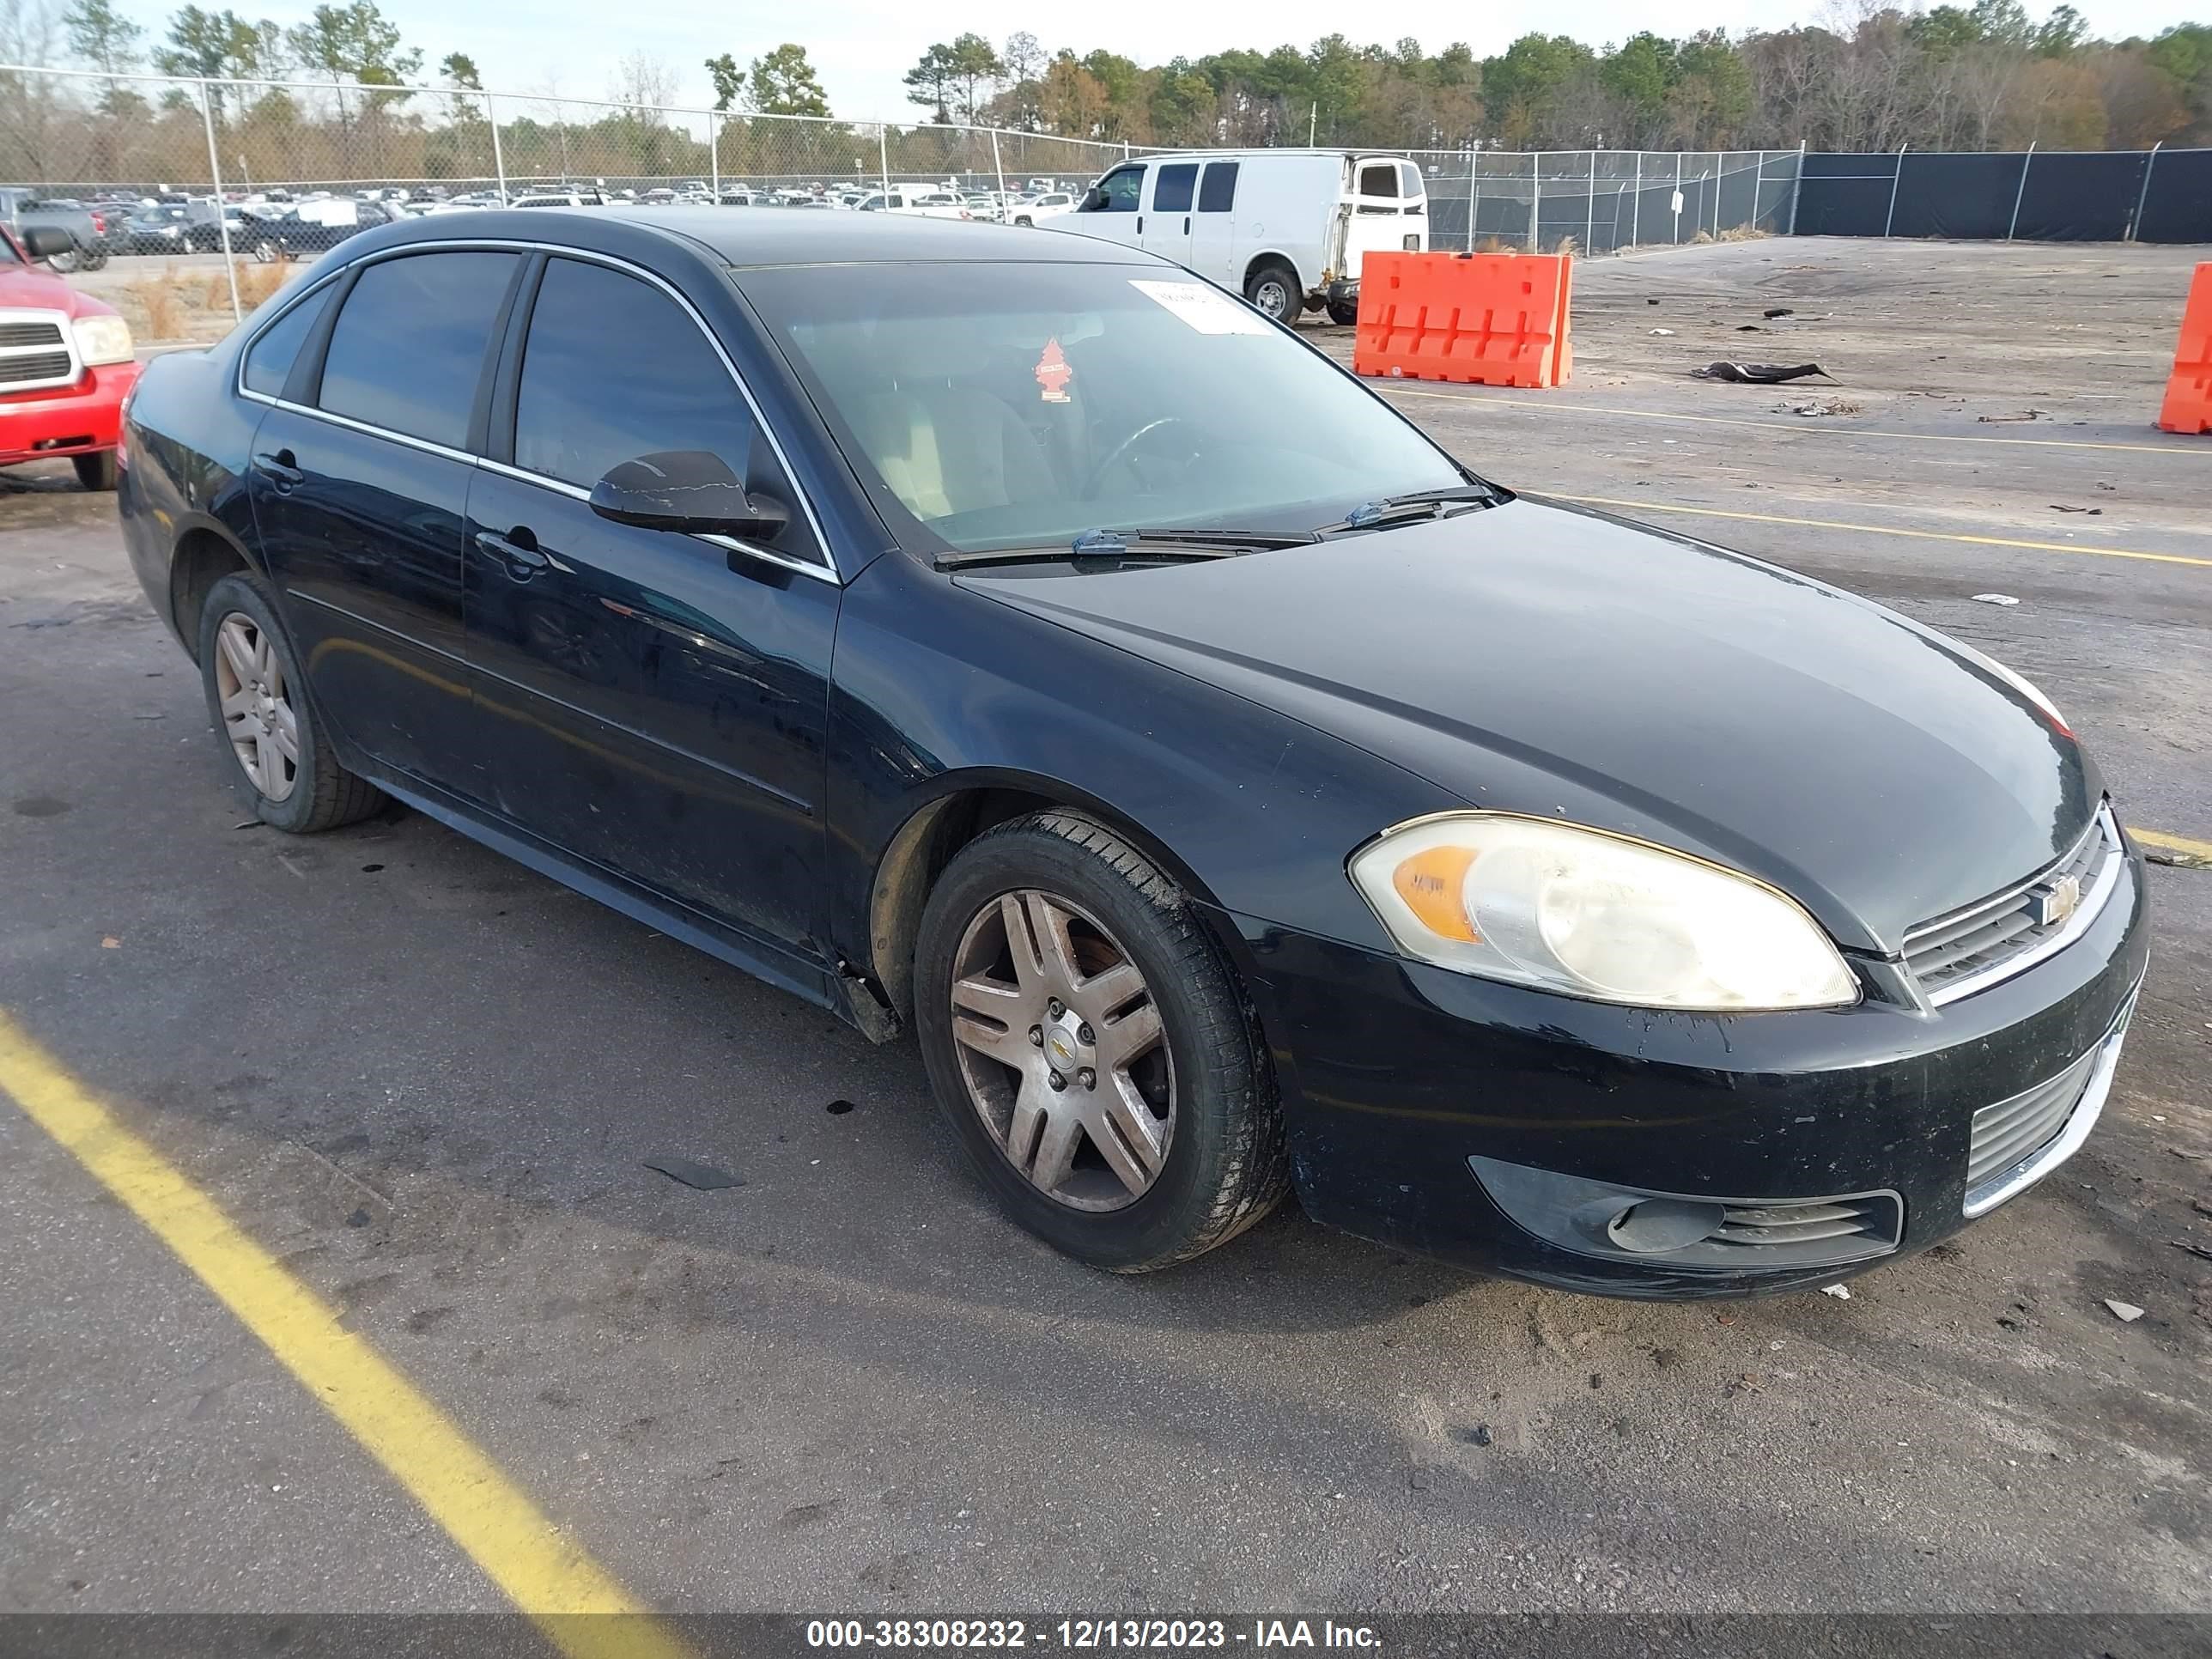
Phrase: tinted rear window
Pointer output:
(1216, 193)
(1379, 179)
(409, 344)
(1171, 191)
(269, 363)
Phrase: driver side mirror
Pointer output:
(1094, 200)
(44, 242)
(689, 491)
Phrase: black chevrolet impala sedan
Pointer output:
(1007, 637)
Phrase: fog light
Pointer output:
(1663, 1224)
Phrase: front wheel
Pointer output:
(1273, 291)
(259, 702)
(1345, 313)
(266, 253)
(64, 261)
(96, 472)
(1089, 1043)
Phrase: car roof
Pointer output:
(747, 240)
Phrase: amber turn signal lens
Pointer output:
(1431, 883)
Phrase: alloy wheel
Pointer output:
(1060, 1046)
(257, 716)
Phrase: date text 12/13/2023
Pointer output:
(1150, 1635)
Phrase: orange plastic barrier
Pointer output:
(2188, 405)
(1478, 318)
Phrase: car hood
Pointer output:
(1538, 659)
(35, 289)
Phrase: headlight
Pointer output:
(1592, 914)
(102, 339)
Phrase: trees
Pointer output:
(729, 80)
(784, 83)
(950, 77)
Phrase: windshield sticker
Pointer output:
(1208, 310)
(1053, 373)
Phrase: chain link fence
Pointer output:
(277, 170)
(1602, 201)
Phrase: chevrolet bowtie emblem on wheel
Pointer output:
(2055, 904)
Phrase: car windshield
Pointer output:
(1009, 405)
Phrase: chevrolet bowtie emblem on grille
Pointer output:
(2055, 904)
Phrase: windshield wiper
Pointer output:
(1412, 507)
(1111, 547)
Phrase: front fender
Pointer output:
(939, 688)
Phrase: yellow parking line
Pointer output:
(1876, 529)
(2203, 849)
(545, 1575)
(1810, 431)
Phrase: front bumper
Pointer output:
(1484, 1124)
(70, 420)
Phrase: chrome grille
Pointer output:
(35, 350)
(45, 366)
(1953, 956)
(2014, 1130)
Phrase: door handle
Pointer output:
(1140, 224)
(1186, 224)
(523, 560)
(280, 469)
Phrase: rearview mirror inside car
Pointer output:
(691, 491)
(44, 242)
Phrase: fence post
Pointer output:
(1589, 218)
(1678, 197)
(1796, 189)
(1720, 173)
(499, 161)
(1473, 192)
(2026, 163)
(883, 156)
(999, 167)
(222, 219)
(1535, 197)
(1636, 205)
(1896, 179)
(2142, 196)
(714, 155)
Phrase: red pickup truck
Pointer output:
(66, 365)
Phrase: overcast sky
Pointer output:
(862, 47)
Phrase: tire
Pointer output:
(1216, 1162)
(312, 791)
(1273, 288)
(96, 472)
(91, 259)
(266, 253)
(1344, 314)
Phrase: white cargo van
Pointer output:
(1286, 228)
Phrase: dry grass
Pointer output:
(1745, 233)
(153, 308)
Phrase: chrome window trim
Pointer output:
(2092, 906)
(2040, 1162)
(63, 321)
(826, 571)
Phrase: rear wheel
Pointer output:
(96, 471)
(1344, 312)
(1091, 1047)
(259, 702)
(1273, 288)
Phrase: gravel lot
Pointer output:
(426, 1079)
